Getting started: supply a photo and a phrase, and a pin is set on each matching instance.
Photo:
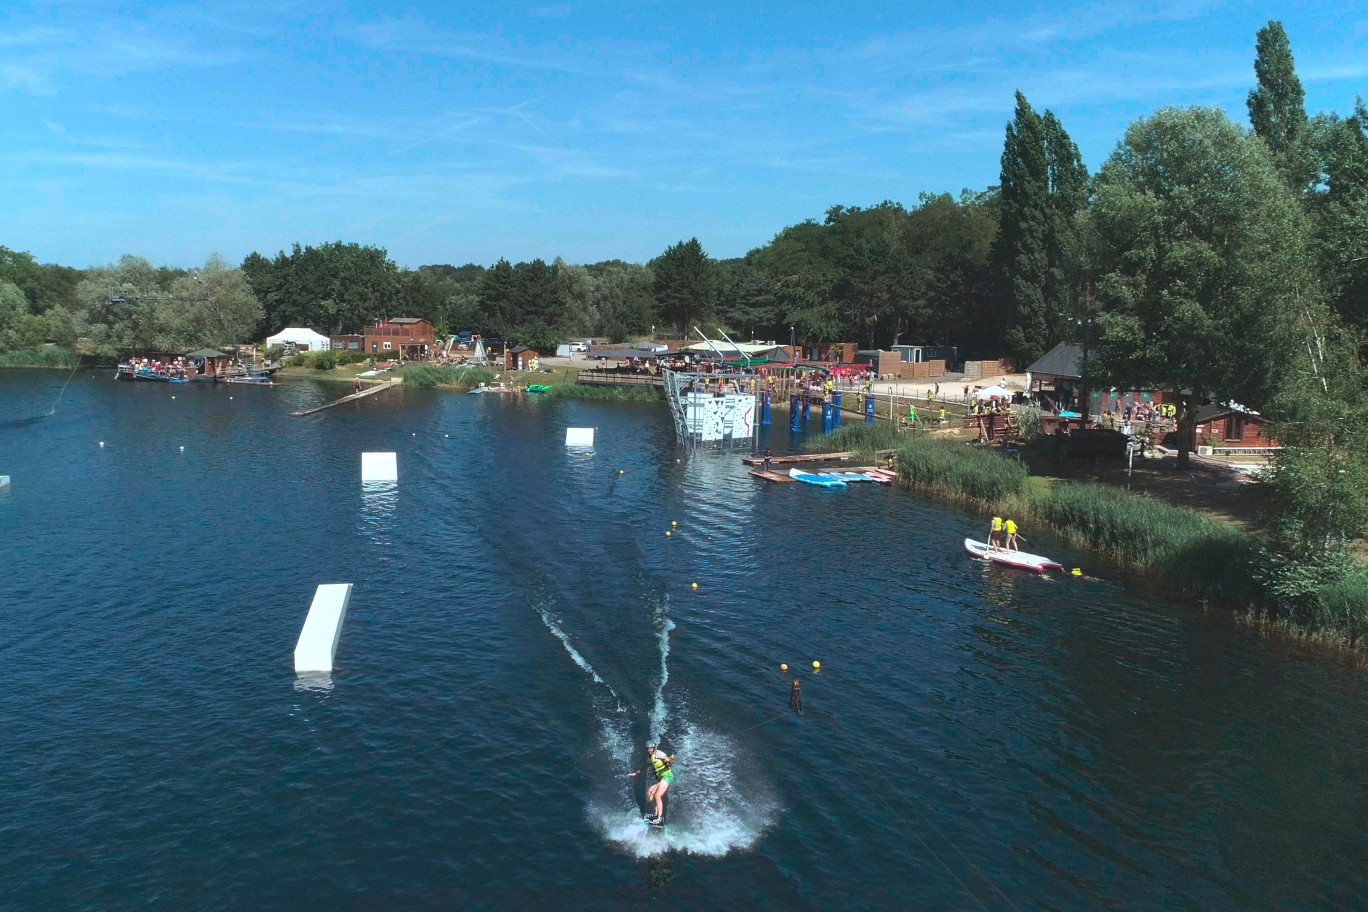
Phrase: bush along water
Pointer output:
(48, 356)
(432, 376)
(1180, 549)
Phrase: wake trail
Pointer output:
(552, 623)
(663, 626)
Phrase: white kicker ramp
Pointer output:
(579, 437)
(322, 629)
(4, 482)
(379, 467)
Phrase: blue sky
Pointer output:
(452, 133)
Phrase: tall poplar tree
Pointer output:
(1044, 187)
(1022, 251)
(1277, 106)
(1068, 195)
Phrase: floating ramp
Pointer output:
(322, 629)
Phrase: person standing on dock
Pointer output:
(356, 385)
(765, 466)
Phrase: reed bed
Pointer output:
(431, 376)
(604, 393)
(865, 439)
(38, 357)
(1178, 548)
(959, 472)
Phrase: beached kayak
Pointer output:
(820, 481)
(1018, 559)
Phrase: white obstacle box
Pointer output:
(579, 437)
(322, 629)
(4, 482)
(379, 467)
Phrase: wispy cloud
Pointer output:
(38, 58)
(413, 36)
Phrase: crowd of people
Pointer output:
(175, 369)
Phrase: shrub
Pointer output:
(428, 376)
(47, 356)
(859, 438)
(958, 470)
(643, 393)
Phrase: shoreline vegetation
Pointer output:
(47, 357)
(1182, 551)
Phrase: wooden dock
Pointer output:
(369, 391)
(796, 457)
(775, 477)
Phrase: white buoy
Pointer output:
(322, 629)
(182, 449)
(379, 467)
(579, 437)
(101, 443)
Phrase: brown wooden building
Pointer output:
(1223, 426)
(209, 362)
(519, 358)
(401, 337)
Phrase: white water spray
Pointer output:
(663, 626)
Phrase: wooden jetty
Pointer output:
(369, 391)
(775, 477)
(796, 457)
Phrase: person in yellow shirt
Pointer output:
(995, 533)
(942, 417)
(1011, 529)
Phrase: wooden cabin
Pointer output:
(519, 358)
(408, 338)
(209, 362)
(1223, 426)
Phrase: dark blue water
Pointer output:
(976, 738)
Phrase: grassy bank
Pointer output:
(1181, 550)
(48, 356)
(431, 376)
(604, 393)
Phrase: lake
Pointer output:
(976, 738)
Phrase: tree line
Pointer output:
(1203, 258)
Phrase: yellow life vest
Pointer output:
(997, 523)
(660, 766)
(1011, 527)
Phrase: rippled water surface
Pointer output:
(976, 738)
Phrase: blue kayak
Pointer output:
(821, 481)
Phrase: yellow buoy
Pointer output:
(816, 666)
(674, 524)
(667, 533)
(783, 667)
(1077, 572)
(695, 585)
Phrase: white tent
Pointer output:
(302, 339)
(989, 393)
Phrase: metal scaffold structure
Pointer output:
(713, 410)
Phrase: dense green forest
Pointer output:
(1189, 208)
(1205, 258)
